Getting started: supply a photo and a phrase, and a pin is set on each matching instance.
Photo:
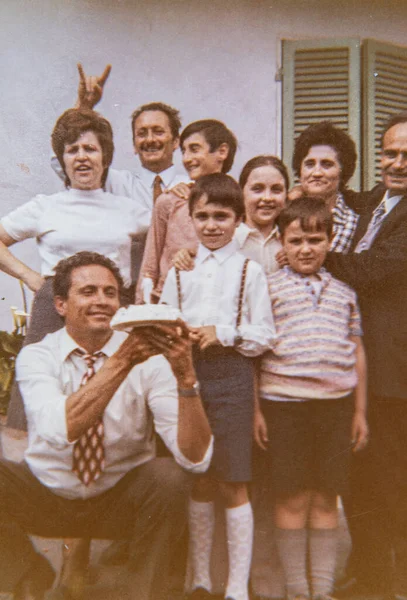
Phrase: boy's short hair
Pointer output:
(220, 189)
(312, 213)
(215, 134)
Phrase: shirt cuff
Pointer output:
(196, 467)
(226, 334)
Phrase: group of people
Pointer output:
(268, 369)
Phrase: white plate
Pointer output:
(124, 326)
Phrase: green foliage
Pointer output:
(10, 345)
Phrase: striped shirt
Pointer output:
(313, 357)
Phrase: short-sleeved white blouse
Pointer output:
(74, 220)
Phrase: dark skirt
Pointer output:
(227, 391)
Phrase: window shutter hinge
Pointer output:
(279, 74)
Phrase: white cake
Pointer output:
(144, 314)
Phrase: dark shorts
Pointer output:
(310, 444)
(227, 392)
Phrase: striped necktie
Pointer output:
(88, 450)
(378, 216)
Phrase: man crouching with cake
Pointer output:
(93, 397)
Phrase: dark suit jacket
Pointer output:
(379, 276)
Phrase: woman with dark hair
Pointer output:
(324, 160)
(82, 217)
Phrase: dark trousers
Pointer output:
(376, 508)
(148, 506)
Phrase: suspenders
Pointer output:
(241, 291)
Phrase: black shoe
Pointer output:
(200, 593)
(59, 593)
(351, 587)
(39, 579)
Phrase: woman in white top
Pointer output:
(82, 217)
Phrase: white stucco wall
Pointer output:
(209, 58)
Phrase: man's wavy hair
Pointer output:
(326, 134)
(63, 271)
(70, 126)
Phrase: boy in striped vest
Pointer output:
(313, 399)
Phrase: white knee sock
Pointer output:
(322, 551)
(239, 527)
(201, 526)
(292, 548)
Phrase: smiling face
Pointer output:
(305, 250)
(214, 224)
(154, 141)
(199, 160)
(84, 164)
(394, 159)
(264, 197)
(320, 175)
(93, 299)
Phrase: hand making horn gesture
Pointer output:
(90, 87)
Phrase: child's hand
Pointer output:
(260, 432)
(360, 431)
(207, 336)
(182, 190)
(184, 260)
(281, 258)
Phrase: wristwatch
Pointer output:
(237, 341)
(190, 392)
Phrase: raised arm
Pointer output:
(90, 89)
(13, 266)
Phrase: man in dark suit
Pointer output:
(377, 270)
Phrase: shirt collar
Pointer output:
(390, 203)
(323, 275)
(244, 231)
(147, 176)
(68, 345)
(221, 255)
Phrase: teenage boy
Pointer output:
(207, 146)
(307, 385)
(225, 302)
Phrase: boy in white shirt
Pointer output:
(225, 302)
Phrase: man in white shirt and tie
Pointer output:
(377, 270)
(84, 382)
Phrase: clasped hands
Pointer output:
(173, 341)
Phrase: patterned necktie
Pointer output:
(88, 450)
(157, 189)
(378, 216)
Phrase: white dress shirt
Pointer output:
(139, 185)
(210, 296)
(255, 246)
(75, 220)
(48, 372)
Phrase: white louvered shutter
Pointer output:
(384, 94)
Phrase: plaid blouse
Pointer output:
(345, 222)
